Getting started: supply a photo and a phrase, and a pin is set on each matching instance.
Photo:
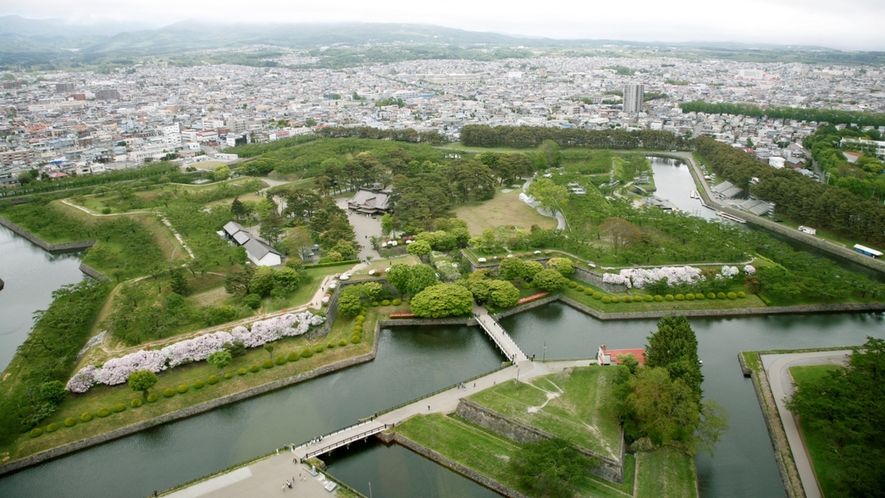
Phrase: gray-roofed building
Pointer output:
(370, 201)
(262, 254)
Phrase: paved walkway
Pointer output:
(500, 336)
(267, 476)
(777, 368)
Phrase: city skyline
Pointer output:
(780, 22)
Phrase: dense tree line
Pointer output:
(845, 408)
(522, 137)
(400, 135)
(833, 116)
(152, 171)
(48, 356)
(799, 197)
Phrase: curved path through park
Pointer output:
(777, 369)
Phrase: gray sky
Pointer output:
(844, 24)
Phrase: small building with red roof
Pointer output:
(607, 356)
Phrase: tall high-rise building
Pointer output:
(633, 94)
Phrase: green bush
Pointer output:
(119, 407)
(606, 300)
(648, 298)
(252, 301)
(152, 398)
(720, 295)
(579, 288)
(293, 356)
(135, 403)
(306, 353)
(359, 319)
(355, 339)
(680, 297)
(330, 345)
(318, 348)
(52, 427)
(732, 295)
(597, 295)
(198, 384)
(742, 294)
(171, 392)
(36, 432)
(397, 302)
(616, 299)
(103, 412)
(689, 297)
(254, 368)
(267, 364)
(628, 299)
(658, 298)
(242, 371)
(86, 417)
(385, 302)
(588, 291)
(669, 297)
(572, 284)
(71, 421)
(374, 304)
(182, 389)
(281, 360)
(105, 210)
(711, 295)
(342, 342)
(700, 295)
(228, 375)
(212, 380)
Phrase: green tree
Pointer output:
(271, 227)
(442, 300)
(419, 248)
(420, 277)
(398, 276)
(269, 347)
(564, 266)
(349, 301)
(512, 268)
(664, 410)
(675, 347)
(220, 359)
(551, 196)
(239, 282)
(262, 281)
(53, 392)
(178, 283)
(549, 467)
(503, 294)
(298, 241)
(142, 380)
(222, 172)
(549, 280)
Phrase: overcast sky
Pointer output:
(843, 24)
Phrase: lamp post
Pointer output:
(544, 358)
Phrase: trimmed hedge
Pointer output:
(680, 297)
(70, 422)
(182, 389)
(198, 384)
(385, 302)
(397, 302)
(689, 297)
(52, 427)
(669, 297)
(119, 407)
(135, 403)
(228, 375)
(318, 348)
(212, 380)
(700, 296)
(306, 353)
(86, 417)
(281, 360)
(616, 299)
(648, 298)
(720, 295)
(293, 356)
(36, 432)
(732, 295)
(152, 398)
(267, 364)
(254, 368)
(355, 339)
(242, 371)
(658, 298)
(171, 392)
(711, 295)
(330, 345)
(741, 294)
(103, 412)
(342, 342)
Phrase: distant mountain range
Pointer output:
(28, 43)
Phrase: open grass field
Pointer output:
(106, 397)
(666, 473)
(818, 447)
(481, 450)
(504, 209)
(574, 405)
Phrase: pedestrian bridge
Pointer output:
(499, 336)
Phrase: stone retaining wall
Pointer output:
(457, 467)
(527, 306)
(607, 468)
(68, 246)
(184, 413)
(595, 279)
(92, 272)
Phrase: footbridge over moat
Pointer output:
(499, 336)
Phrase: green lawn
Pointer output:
(574, 405)
(818, 447)
(106, 396)
(666, 473)
(480, 450)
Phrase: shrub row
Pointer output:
(669, 297)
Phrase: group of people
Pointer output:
(289, 483)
